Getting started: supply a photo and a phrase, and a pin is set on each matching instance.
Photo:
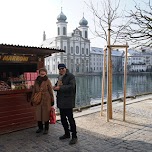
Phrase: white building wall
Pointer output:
(96, 60)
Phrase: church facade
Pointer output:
(76, 46)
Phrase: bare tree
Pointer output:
(139, 29)
(105, 17)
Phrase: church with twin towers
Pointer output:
(76, 45)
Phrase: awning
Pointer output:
(27, 50)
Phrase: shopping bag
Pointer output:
(52, 116)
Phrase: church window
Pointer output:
(65, 48)
(87, 52)
(77, 61)
(82, 50)
(87, 62)
(86, 34)
(64, 31)
(77, 49)
(71, 50)
(58, 31)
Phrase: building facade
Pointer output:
(139, 61)
(116, 57)
(96, 60)
(75, 44)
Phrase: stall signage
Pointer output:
(14, 58)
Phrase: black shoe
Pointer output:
(73, 141)
(64, 137)
(45, 132)
(39, 130)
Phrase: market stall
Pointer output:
(18, 69)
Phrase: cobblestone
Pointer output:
(94, 133)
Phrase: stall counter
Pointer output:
(16, 113)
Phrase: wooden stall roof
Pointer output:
(27, 50)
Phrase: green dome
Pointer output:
(61, 17)
(83, 22)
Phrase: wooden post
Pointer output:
(109, 78)
(103, 80)
(110, 82)
(107, 86)
(125, 80)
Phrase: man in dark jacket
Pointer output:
(66, 92)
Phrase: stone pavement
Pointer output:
(95, 134)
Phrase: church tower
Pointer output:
(61, 24)
(83, 27)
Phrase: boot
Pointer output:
(40, 127)
(65, 136)
(74, 139)
(46, 127)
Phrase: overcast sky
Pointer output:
(23, 21)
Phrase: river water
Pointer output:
(89, 87)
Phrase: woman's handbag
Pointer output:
(52, 116)
(37, 98)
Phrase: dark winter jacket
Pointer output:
(66, 94)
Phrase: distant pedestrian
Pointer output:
(66, 92)
(42, 83)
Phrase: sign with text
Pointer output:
(14, 58)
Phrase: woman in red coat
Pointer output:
(43, 109)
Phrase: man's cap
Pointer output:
(61, 65)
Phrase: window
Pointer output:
(82, 50)
(77, 61)
(76, 32)
(64, 31)
(87, 52)
(71, 50)
(86, 34)
(87, 62)
(77, 49)
(65, 48)
(58, 31)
